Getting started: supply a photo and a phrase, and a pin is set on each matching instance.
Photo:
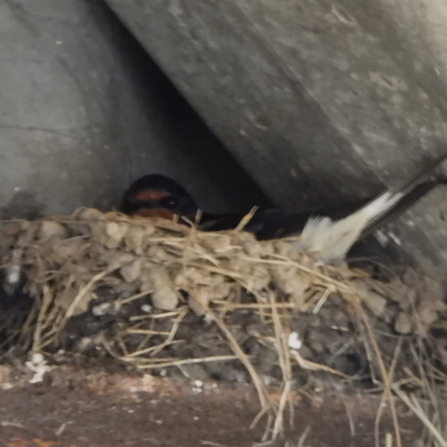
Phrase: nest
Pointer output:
(147, 284)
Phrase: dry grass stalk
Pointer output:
(264, 398)
(386, 376)
(215, 269)
(415, 407)
(283, 352)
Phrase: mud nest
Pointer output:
(157, 294)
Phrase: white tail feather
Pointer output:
(333, 239)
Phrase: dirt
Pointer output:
(93, 399)
(331, 336)
(85, 407)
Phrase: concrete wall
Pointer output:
(320, 101)
(84, 111)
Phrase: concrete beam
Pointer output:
(319, 101)
(84, 111)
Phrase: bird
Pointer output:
(156, 195)
(331, 232)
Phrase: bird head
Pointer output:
(156, 195)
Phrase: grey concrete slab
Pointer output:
(84, 111)
(320, 101)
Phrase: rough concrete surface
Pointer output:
(319, 101)
(84, 111)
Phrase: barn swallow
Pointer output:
(332, 231)
(157, 196)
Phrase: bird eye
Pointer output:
(169, 202)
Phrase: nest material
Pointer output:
(66, 261)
